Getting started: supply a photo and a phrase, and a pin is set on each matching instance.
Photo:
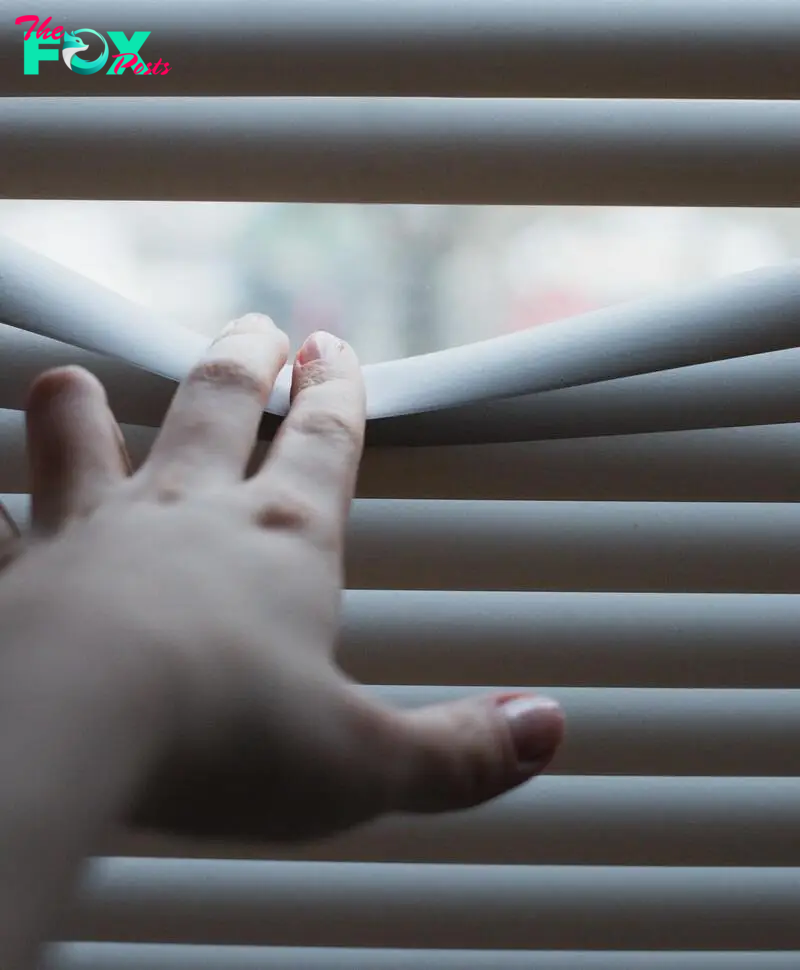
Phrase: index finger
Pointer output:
(313, 461)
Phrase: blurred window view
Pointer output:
(395, 280)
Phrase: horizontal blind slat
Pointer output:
(572, 48)
(135, 395)
(581, 639)
(725, 464)
(759, 389)
(648, 546)
(419, 150)
(47, 298)
(566, 820)
(387, 905)
(154, 956)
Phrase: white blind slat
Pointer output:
(154, 956)
(580, 639)
(420, 150)
(650, 546)
(722, 464)
(46, 298)
(135, 394)
(761, 389)
(399, 905)
(666, 48)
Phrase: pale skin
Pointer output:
(166, 657)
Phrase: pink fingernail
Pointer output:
(319, 346)
(537, 726)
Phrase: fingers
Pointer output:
(211, 426)
(453, 756)
(312, 466)
(75, 447)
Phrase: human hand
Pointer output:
(220, 594)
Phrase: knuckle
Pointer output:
(294, 514)
(168, 494)
(289, 513)
(227, 373)
(160, 486)
(333, 427)
(465, 774)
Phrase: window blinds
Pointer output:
(603, 507)
(429, 150)
(481, 48)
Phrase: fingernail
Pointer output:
(319, 346)
(537, 726)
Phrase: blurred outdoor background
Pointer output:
(395, 280)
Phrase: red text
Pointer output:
(43, 30)
(121, 61)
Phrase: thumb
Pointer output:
(456, 755)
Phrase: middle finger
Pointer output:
(211, 426)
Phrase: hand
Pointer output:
(219, 594)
